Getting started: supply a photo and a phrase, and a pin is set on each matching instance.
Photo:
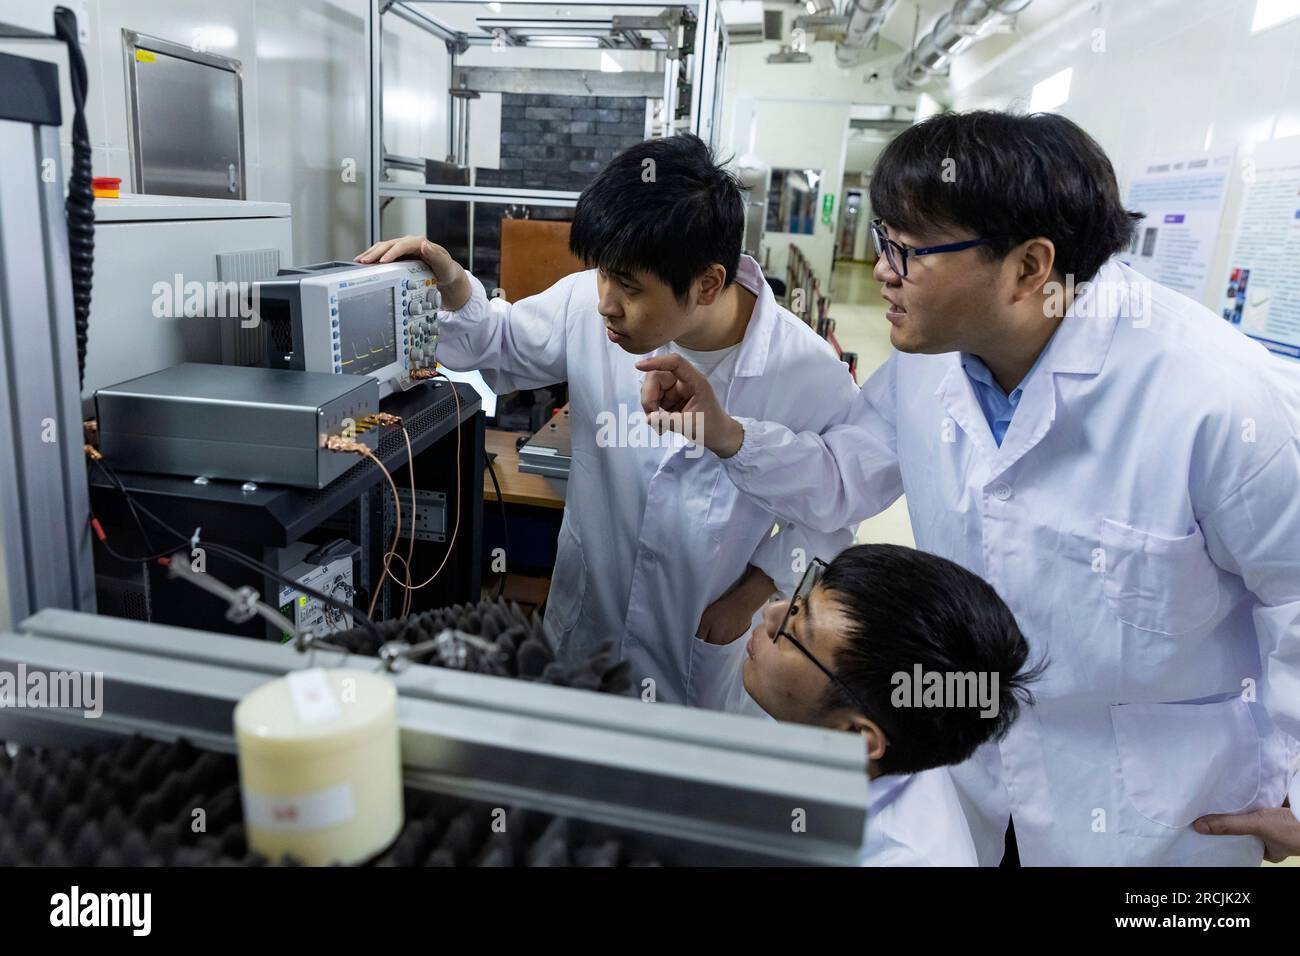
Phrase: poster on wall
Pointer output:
(1261, 291)
(1182, 200)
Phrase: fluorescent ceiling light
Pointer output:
(564, 43)
(1269, 13)
(1051, 92)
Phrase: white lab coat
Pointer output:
(653, 532)
(916, 819)
(1142, 520)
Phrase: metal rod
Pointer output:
(489, 194)
(426, 22)
(451, 101)
(244, 602)
(375, 106)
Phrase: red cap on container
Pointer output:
(106, 182)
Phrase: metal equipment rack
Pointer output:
(700, 73)
(263, 520)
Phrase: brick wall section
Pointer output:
(551, 142)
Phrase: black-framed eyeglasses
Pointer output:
(806, 584)
(896, 254)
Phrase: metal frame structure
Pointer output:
(45, 550)
(715, 788)
(705, 66)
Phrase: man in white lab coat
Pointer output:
(658, 551)
(1120, 464)
(916, 654)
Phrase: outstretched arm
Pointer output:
(823, 481)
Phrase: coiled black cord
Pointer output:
(80, 205)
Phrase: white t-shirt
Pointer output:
(706, 362)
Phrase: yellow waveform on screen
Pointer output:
(384, 347)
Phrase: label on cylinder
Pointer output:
(300, 811)
(313, 697)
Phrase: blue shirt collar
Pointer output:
(977, 371)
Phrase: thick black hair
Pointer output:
(908, 607)
(1010, 177)
(672, 217)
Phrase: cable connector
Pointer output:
(423, 373)
(339, 443)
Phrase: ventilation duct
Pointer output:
(866, 17)
(955, 31)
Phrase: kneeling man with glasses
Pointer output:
(919, 656)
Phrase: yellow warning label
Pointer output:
(145, 56)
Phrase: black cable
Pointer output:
(111, 475)
(80, 205)
(135, 559)
(130, 503)
(139, 525)
(144, 537)
(241, 558)
(505, 528)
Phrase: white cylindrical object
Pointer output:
(320, 768)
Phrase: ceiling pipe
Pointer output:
(953, 33)
(866, 17)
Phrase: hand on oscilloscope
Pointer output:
(453, 281)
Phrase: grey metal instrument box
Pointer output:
(226, 421)
(550, 451)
